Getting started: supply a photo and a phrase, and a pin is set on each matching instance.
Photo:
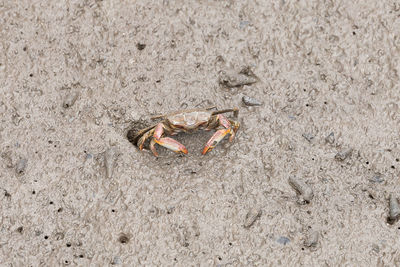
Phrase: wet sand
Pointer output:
(75, 76)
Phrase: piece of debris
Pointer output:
(70, 99)
(243, 24)
(394, 209)
(249, 101)
(342, 155)
(304, 191)
(283, 240)
(312, 239)
(110, 157)
(377, 178)
(251, 217)
(21, 166)
(231, 79)
(140, 46)
(330, 138)
(375, 248)
(59, 236)
(309, 137)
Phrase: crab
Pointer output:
(188, 121)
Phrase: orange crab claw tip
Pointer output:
(182, 149)
(205, 150)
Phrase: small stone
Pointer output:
(140, 46)
(243, 24)
(305, 192)
(231, 79)
(377, 178)
(330, 139)
(375, 248)
(312, 239)
(283, 240)
(70, 99)
(249, 101)
(251, 217)
(342, 155)
(394, 209)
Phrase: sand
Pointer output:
(75, 76)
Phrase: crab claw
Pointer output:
(215, 139)
(170, 144)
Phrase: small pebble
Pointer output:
(342, 155)
(110, 156)
(330, 138)
(283, 240)
(243, 24)
(230, 79)
(375, 248)
(377, 178)
(251, 217)
(70, 99)
(248, 101)
(394, 209)
(140, 46)
(312, 239)
(21, 166)
(304, 190)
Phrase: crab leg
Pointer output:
(234, 110)
(153, 147)
(166, 142)
(235, 128)
(142, 139)
(215, 139)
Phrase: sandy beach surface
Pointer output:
(306, 181)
